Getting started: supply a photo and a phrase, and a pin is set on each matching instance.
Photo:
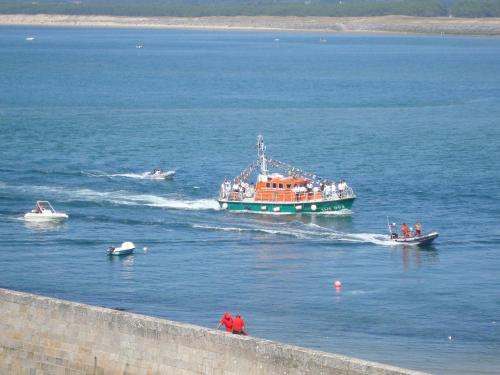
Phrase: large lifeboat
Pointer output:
(293, 191)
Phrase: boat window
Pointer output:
(288, 186)
(274, 185)
(281, 186)
(268, 184)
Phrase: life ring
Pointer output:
(313, 207)
(224, 205)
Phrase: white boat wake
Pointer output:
(316, 233)
(123, 197)
(139, 176)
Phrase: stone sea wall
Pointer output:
(41, 335)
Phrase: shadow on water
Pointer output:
(418, 256)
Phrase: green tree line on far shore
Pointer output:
(198, 8)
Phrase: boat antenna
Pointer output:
(261, 153)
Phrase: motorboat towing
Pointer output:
(44, 211)
(292, 191)
(411, 237)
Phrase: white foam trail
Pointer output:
(125, 198)
(122, 197)
(319, 233)
(140, 176)
(343, 212)
(292, 233)
(374, 238)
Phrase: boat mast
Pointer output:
(261, 152)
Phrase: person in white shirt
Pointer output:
(327, 191)
(333, 189)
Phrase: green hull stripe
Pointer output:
(289, 208)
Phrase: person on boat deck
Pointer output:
(340, 188)
(236, 186)
(239, 326)
(392, 229)
(418, 229)
(333, 188)
(226, 321)
(327, 190)
(404, 230)
(227, 185)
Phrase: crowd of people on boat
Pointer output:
(332, 190)
(237, 186)
(329, 189)
(407, 232)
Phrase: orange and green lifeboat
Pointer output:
(279, 194)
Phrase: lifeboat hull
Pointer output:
(309, 207)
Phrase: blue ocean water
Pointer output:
(411, 122)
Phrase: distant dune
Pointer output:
(385, 24)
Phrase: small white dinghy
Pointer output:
(159, 174)
(44, 211)
(125, 249)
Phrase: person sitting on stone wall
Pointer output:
(227, 321)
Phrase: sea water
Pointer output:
(411, 122)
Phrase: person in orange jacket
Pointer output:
(404, 230)
(227, 321)
(239, 326)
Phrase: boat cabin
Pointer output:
(277, 188)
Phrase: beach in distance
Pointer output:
(382, 24)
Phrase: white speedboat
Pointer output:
(30, 38)
(44, 211)
(125, 249)
(159, 174)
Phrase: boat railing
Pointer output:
(236, 195)
(287, 196)
(345, 193)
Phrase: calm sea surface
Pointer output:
(411, 122)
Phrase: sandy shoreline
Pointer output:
(385, 24)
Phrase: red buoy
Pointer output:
(338, 284)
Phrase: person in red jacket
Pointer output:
(239, 326)
(404, 229)
(227, 321)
